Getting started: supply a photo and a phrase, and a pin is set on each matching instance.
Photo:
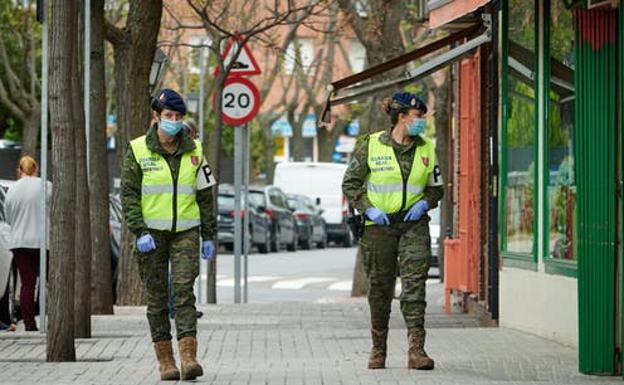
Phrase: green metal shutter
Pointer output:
(595, 107)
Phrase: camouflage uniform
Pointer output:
(382, 247)
(181, 249)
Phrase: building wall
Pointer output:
(541, 304)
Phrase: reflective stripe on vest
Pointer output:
(386, 188)
(167, 205)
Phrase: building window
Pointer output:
(194, 58)
(357, 55)
(561, 201)
(299, 53)
(519, 137)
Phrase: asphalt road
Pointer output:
(320, 276)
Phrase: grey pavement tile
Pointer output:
(298, 343)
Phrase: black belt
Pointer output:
(397, 217)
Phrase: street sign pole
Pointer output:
(247, 235)
(238, 174)
(202, 285)
(44, 170)
(241, 101)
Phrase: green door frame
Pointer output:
(518, 260)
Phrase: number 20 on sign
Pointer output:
(240, 101)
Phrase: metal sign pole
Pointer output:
(202, 90)
(246, 226)
(44, 170)
(202, 283)
(238, 174)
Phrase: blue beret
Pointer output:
(169, 99)
(409, 100)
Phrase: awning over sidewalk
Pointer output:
(444, 11)
(363, 84)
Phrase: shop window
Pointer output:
(300, 53)
(520, 126)
(561, 201)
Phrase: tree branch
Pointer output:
(8, 103)
(357, 23)
(15, 86)
(116, 36)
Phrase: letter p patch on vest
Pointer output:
(205, 177)
(435, 178)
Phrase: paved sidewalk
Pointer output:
(296, 344)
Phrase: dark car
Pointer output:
(114, 229)
(259, 222)
(273, 202)
(311, 227)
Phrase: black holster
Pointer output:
(356, 224)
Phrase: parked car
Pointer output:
(114, 229)
(434, 231)
(10, 144)
(272, 201)
(323, 183)
(259, 222)
(311, 229)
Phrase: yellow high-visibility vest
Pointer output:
(389, 190)
(167, 204)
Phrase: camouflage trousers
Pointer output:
(182, 251)
(406, 245)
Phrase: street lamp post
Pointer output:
(192, 102)
(158, 69)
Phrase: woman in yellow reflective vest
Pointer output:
(166, 191)
(393, 179)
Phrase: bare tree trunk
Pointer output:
(102, 294)
(63, 31)
(442, 125)
(360, 282)
(82, 273)
(31, 132)
(380, 33)
(134, 48)
(214, 158)
(130, 288)
(269, 151)
(296, 123)
(327, 141)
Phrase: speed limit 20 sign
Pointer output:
(240, 101)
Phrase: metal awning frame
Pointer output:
(351, 88)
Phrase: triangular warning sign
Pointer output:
(245, 63)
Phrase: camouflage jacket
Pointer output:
(354, 182)
(131, 179)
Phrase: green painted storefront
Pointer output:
(561, 139)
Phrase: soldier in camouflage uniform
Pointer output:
(168, 204)
(393, 179)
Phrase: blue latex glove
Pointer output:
(417, 211)
(379, 217)
(146, 243)
(208, 250)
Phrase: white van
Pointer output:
(323, 183)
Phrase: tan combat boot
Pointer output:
(417, 357)
(377, 359)
(188, 361)
(166, 362)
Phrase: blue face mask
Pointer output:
(417, 127)
(170, 127)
